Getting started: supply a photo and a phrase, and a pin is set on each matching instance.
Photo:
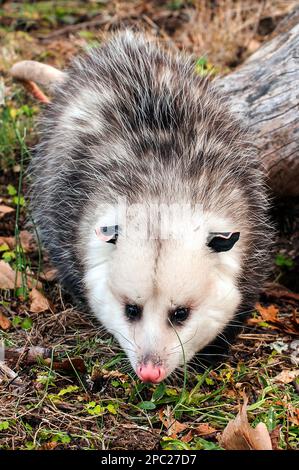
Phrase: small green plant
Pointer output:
(46, 435)
(24, 323)
(283, 261)
(168, 443)
(4, 425)
(204, 68)
(95, 409)
(64, 391)
(175, 4)
(10, 119)
(47, 378)
(20, 261)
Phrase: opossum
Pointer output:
(151, 202)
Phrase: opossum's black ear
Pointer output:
(108, 234)
(223, 241)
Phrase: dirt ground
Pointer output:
(67, 384)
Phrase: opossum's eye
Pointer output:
(179, 315)
(108, 234)
(223, 241)
(133, 312)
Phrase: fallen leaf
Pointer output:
(9, 279)
(8, 276)
(26, 239)
(275, 437)
(39, 303)
(239, 435)
(49, 445)
(5, 323)
(187, 437)
(173, 426)
(5, 210)
(286, 376)
(204, 429)
(115, 374)
(268, 313)
(294, 417)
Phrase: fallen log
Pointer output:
(264, 92)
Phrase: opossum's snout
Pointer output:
(149, 371)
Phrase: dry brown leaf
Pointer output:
(294, 417)
(204, 429)
(9, 279)
(275, 437)
(256, 321)
(5, 323)
(49, 445)
(239, 435)
(268, 313)
(188, 437)
(288, 325)
(39, 303)
(175, 428)
(26, 239)
(5, 210)
(113, 374)
(286, 376)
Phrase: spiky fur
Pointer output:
(134, 120)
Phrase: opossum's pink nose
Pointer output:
(151, 373)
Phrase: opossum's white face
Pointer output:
(164, 299)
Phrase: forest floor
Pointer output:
(69, 387)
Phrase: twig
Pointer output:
(8, 374)
(76, 27)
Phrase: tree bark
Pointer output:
(264, 92)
